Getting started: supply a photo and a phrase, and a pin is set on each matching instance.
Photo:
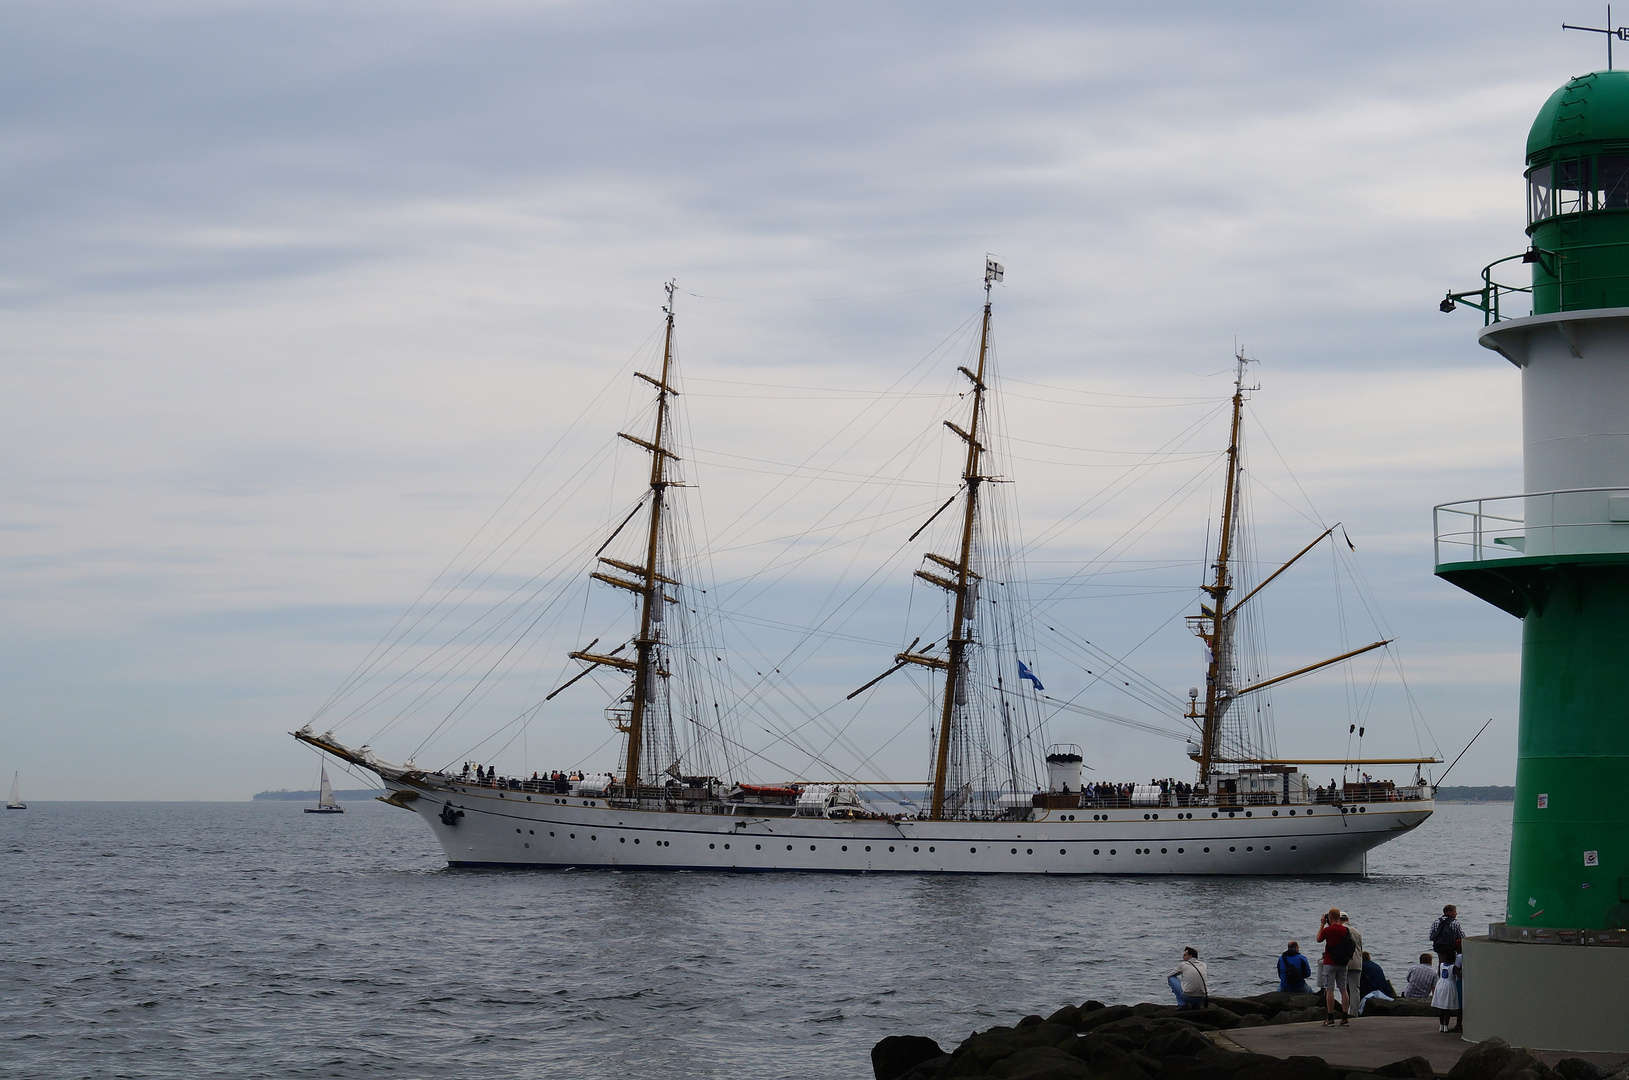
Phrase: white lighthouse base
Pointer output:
(1547, 997)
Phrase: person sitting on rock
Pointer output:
(1373, 984)
(1187, 981)
(1422, 979)
(1293, 971)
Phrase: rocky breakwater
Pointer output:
(1160, 1042)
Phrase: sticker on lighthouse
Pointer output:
(1592, 858)
(1544, 802)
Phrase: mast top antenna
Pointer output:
(1621, 33)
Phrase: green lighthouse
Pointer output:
(1556, 556)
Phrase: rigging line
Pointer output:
(570, 432)
(826, 299)
(1106, 393)
(447, 613)
(1093, 330)
(1122, 659)
(922, 363)
(1285, 462)
(1098, 714)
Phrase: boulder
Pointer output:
(1090, 1021)
(1216, 1064)
(1030, 1021)
(1299, 1016)
(1212, 1015)
(931, 1069)
(1039, 1063)
(1253, 1020)
(1187, 1042)
(1411, 1068)
(1292, 1068)
(1579, 1069)
(1482, 1061)
(1399, 1007)
(1277, 1000)
(1245, 1006)
(897, 1055)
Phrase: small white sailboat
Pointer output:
(325, 798)
(16, 800)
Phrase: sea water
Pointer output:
(252, 940)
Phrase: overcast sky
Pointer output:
(294, 294)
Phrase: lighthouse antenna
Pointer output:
(1621, 33)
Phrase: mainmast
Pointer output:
(963, 582)
(647, 580)
(1214, 626)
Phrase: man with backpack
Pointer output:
(1446, 935)
(1293, 971)
(1339, 947)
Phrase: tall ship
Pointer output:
(999, 799)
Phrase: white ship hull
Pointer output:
(491, 828)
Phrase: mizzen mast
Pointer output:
(962, 582)
(647, 580)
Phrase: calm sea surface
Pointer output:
(252, 940)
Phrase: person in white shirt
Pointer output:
(1422, 979)
(1188, 981)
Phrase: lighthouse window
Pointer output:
(1612, 182)
(1571, 186)
(1538, 194)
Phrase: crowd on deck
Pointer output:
(1348, 974)
(487, 776)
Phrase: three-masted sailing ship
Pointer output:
(1000, 800)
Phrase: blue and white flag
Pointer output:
(1025, 673)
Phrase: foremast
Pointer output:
(962, 584)
(645, 581)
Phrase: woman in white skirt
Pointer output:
(1446, 997)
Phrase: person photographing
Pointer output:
(1339, 948)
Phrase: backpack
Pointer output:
(1341, 951)
(1442, 935)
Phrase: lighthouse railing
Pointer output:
(1572, 521)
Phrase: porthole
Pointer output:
(711, 846)
(845, 848)
(890, 847)
(726, 847)
(1248, 813)
(1250, 849)
(1015, 851)
(1267, 847)
(1030, 851)
(975, 851)
(1233, 849)
(788, 847)
(573, 835)
(932, 850)
(757, 847)
(1363, 809)
(1207, 851)
(1162, 851)
(1145, 817)
(636, 839)
(528, 845)
(1275, 813)
(1292, 847)
(528, 798)
(1095, 851)
(913, 849)
(868, 847)
(531, 832)
(551, 833)
(1213, 813)
(1231, 813)
(811, 847)
(622, 839)
(1156, 817)
(1179, 851)
(517, 832)
(1063, 851)
(593, 836)
(1136, 851)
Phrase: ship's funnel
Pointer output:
(1063, 769)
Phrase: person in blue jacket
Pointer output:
(1294, 971)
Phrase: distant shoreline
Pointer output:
(285, 795)
(1466, 794)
